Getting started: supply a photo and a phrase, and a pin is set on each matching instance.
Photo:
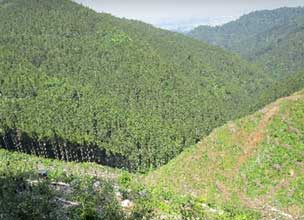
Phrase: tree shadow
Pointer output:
(58, 148)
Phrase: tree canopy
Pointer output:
(272, 39)
(72, 78)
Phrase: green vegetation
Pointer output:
(82, 191)
(68, 191)
(76, 85)
(79, 85)
(284, 87)
(272, 39)
(254, 162)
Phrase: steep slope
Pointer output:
(256, 162)
(285, 86)
(285, 55)
(271, 38)
(79, 85)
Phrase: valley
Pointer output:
(105, 118)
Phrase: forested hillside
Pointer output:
(254, 162)
(270, 38)
(79, 85)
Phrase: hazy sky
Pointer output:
(162, 12)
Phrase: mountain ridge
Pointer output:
(270, 38)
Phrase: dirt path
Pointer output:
(256, 137)
(251, 144)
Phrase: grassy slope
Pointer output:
(19, 162)
(21, 186)
(255, 162)
(70, 190)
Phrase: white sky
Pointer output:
(159, 11)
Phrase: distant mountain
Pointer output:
(271, 38)
(186, 25)
(79, 85)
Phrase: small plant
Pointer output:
(125, 179)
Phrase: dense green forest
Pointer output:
(81, 85)
(271, 38)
